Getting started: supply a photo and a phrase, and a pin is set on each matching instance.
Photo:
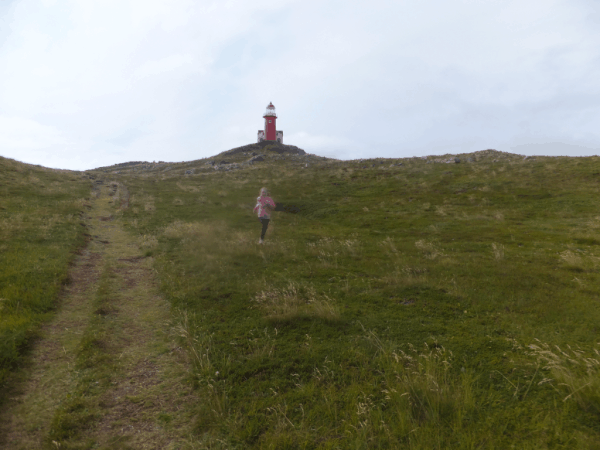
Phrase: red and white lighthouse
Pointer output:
(270, 132)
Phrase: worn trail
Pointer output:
(143, 402)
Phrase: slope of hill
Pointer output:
(39, 232)
(409, 303)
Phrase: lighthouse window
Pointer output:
(270, 121)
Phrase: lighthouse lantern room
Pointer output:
(270, 132)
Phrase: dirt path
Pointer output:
(145, 402)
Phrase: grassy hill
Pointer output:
(39, 233)
(410, 303)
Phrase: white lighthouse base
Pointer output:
(261, 136)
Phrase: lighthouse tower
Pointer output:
(270, 132)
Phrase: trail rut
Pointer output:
(147, 404)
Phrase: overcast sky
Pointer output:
(86, 83)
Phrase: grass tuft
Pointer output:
(574, 371)
(294, 301)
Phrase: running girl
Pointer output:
(264, 206)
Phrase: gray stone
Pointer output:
(457, 160)
(257, 158)
(189, 172)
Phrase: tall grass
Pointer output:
(294, 301)
(573, 371)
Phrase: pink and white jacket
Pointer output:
(261, 202)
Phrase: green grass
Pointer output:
(40, 232)
(96, 366)
(419, 306)
(396, 310)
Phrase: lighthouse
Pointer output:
(270, 132)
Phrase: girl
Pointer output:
(264, 206)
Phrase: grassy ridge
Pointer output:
(39, 231)
(417, 306)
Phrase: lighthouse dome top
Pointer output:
(270, 111)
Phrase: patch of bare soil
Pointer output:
(147, 406)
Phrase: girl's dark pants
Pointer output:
(265, 224)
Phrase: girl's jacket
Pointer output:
(261, 202)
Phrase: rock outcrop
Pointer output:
(265, 146)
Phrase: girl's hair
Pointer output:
(264, 192)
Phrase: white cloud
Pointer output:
(32, 142)
(164, 65)
(555, 149)
(321, 143)
(21, 135)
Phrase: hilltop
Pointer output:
(245, 156)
